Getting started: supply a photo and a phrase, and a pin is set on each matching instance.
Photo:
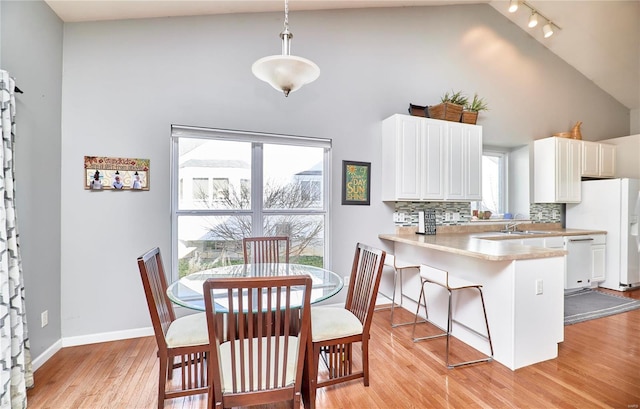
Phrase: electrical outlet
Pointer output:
(44, 318)
(447, 217)
(539, 215)
(539, 288)
(346, 280)
(456, 216)
(555, 214)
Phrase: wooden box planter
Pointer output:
(469, 117)
(446, 111)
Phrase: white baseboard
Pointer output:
(106, 337)
(38, 361)
(46, 355)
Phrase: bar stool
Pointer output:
(398, 268)
(432, 275)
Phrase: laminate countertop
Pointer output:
(493, 246)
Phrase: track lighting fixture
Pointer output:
(533, 20)
(547, 30)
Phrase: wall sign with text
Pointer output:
(104, 173)
(356, 183)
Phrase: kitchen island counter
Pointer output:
(523, 288)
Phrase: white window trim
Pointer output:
(182, 131)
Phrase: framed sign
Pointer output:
(356, 183)
(118, 174)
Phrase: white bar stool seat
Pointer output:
(432, 275)
(398, 268)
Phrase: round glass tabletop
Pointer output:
(188, 293)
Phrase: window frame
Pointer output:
(257, 212)
(503, 156)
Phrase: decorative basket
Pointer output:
(417, 110)
(446, 111)
(469, 117)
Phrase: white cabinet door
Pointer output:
(455, 154)
(464, 162)
(557, 167)
(598, 266)
(569, 152)
(590, 159)
(433, 159)
(607, 160)
(474, 162)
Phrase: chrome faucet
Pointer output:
(511, 226)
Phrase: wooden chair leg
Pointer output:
(162, 382)
(365, 361)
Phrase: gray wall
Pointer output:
(31, 50)
(126, 82)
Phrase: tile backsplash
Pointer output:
(457, 213)
(459, 210)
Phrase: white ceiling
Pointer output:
(601, 39)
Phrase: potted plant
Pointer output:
(450, 107)
(471, 109)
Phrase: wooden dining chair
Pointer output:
(334, 330)
(274, 249)
(258, 331)
(183, 339)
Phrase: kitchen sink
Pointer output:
(524, 232)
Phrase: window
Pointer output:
(493, 182)
(235, 184)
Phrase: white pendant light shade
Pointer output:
(547, 30)
(533, 20)
(285, 73)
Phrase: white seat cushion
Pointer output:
(225, 363)
(187, 331)
(333, 322)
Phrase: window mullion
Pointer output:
(257, 176)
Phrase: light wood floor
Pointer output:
(598, 366)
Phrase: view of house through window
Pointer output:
(493, 183)
(230, 185)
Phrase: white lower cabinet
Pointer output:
(598, 261)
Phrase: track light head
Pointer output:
(513, 6)
(547, 30)
(533, 20)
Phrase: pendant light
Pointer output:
(285, 72)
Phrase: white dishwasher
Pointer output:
(578, 271)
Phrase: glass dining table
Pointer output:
(187, 291)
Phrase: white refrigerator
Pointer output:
(612, 205)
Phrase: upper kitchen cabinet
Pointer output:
(557, 169)
(430, 159)
(598, 160)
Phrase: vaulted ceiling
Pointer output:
(601, 39)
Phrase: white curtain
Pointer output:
(16, 374)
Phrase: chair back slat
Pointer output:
(266, 249)
(262, 351)
(154, 282)
(368, 263)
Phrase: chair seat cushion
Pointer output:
(226, 370)
(333, 322)
(187, 331)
